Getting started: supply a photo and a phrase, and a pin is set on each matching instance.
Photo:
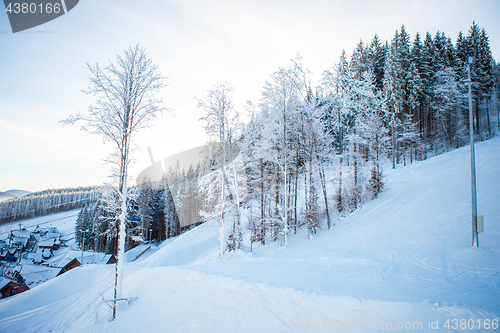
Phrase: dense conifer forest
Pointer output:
(47, 202)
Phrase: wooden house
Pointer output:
(10, 288)
(69, 266)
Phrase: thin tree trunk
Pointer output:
(296, 190)
(277, 192)
(498, 110)
(121, 236)
(426, 130)
(306, 203)
(488, 116)
(222, 198)
(393, 143)
(322, 177)
(311, 184)
(477, 117)
(235, 182)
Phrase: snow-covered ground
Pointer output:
(64, 222)
(401, 262)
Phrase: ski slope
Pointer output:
(403, 262)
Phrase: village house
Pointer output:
(89, 258)
(19, 239)
(69, 266)
(10, 288)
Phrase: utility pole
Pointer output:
(472, 161)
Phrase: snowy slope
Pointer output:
(404, 259)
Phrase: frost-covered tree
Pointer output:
(253, 146)
(376, 56)
(337, 83)
(394, 91)
(360, 60)
(126, 102)
(280, 100)
(221, 124)
(408, 138)
(445, 98)
(371, 118)
(146, 207)
(172, 224)
(97, 221)
(84, 233)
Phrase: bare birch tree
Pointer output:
(126, 93)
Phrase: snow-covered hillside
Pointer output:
(403, 261)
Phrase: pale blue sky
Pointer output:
(196, 44)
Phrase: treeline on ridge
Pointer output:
(46, 202)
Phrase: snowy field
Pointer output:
(402, 262)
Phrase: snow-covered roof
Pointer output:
(21, 233)
(50, 235)
(20, 240)
(106, 258)
(89, 257)
(36, 257)
(46, 243)
(37, 274)
(4, 282)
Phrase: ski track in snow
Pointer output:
(405, 257)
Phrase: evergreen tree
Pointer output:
(84, 229)
(402, 42)
(146, 207)
(414, 87)
(172, 225)
(360, 61)
(394, 93)
(376, 56)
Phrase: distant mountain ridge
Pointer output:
(12, 194)
(19, 193)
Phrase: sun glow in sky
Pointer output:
(196, 44)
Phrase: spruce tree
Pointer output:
(376, 56)
(360, 61)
